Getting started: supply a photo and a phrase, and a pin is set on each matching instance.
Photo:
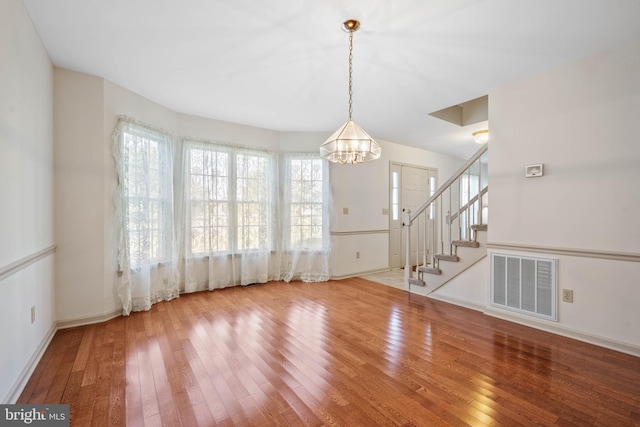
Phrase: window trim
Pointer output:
(288, 247)
(164, 199)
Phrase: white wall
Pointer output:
(469, 289)
(364, 190)
(87, 108)
(301, 142)
(232, 133)
(580, 121)
(79, 193)
(26, 192)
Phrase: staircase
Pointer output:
(447, 234)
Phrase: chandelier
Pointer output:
(350, 143)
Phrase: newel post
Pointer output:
(406, 222)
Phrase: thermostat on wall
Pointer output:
(531, 171)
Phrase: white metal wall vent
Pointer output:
(525, 284)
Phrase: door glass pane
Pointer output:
(395, 191)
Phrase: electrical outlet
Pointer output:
(357, 255)
(345, 211)
(33, 313)
(567, 295)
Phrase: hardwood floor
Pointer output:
(347, 353)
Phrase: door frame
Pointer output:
(393, 163)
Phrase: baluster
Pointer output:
(425, 237)
(442, 219)
(436, 219)
(418, 242)
(469, 211)
(460, 201)
(479, 191)
(407, 258)
(450, 220)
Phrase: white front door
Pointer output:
(410, 187)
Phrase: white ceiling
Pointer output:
(282, 64)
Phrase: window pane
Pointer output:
(395, 193)
(209, 203)
(147, 191)
(253, 179)
(306, 204)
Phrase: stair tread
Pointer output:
(447, 257)
(479, 227)
(466, 243)
(430, 270)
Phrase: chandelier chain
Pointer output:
(350, 73)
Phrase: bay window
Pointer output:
(242, 216)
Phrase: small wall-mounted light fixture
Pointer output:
(481, 136)
(532, 171)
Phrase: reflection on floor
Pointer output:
(393, 277)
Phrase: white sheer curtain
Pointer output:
(144, 226)
(305, 229)
(241, 216)
(229, 202)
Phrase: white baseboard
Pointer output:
(82, 321)
(359, 274)
(454, 301)
(21, 382)
(609, 343)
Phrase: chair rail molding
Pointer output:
(24, 262)
(357, 232)
(583, 253)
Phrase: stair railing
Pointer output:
(447, 216)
